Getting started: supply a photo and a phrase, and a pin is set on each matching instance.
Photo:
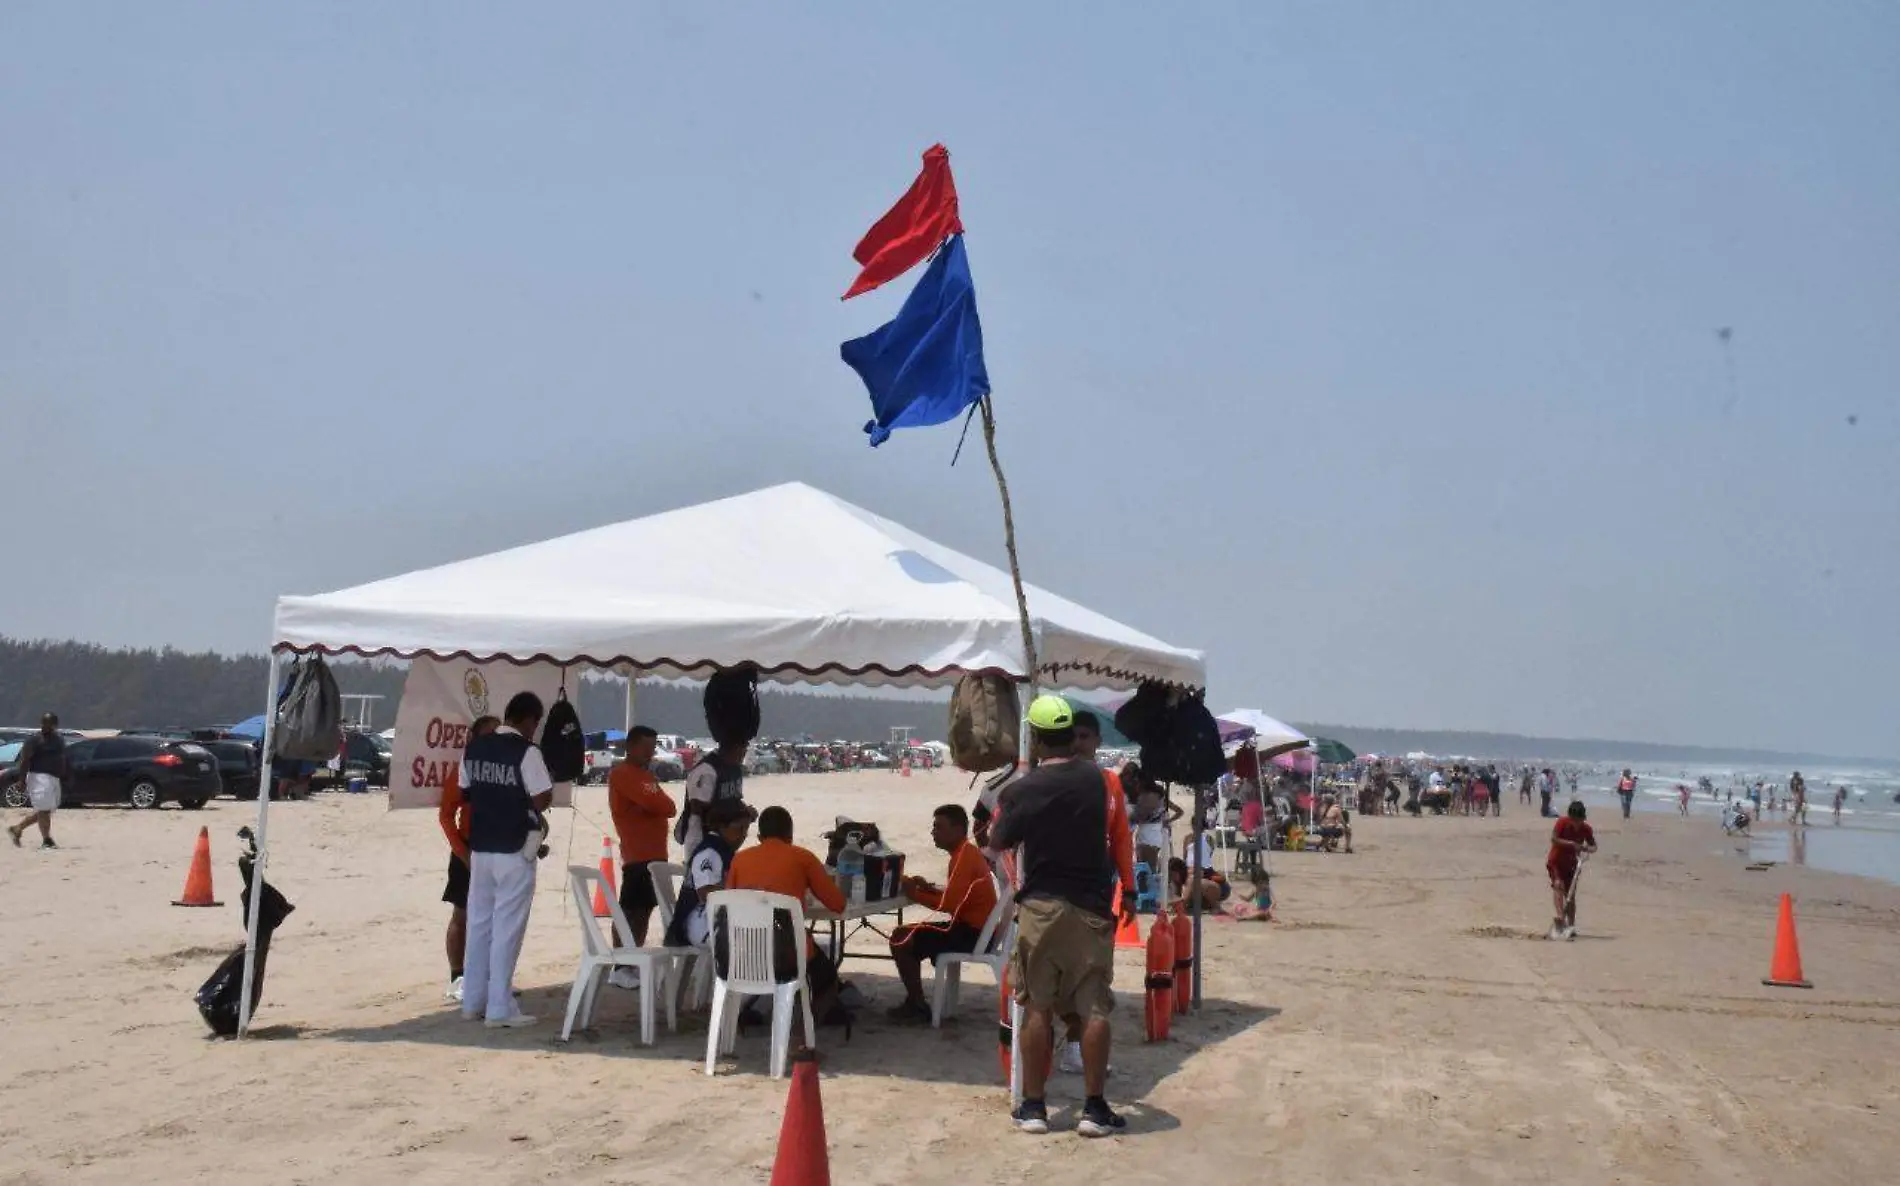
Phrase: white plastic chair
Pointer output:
(992, 949)
(746, 919)
(667, 878)
(599, 956)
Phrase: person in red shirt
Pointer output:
(452, 812)
(968, 896)
(1570, 839)
(640, 810)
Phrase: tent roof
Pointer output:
(802, 583)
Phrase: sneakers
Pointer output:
(1069, 1059)
(518, 1021)
(454, 991)
(1100, 1120)
(1031, 1116)
(628, 978)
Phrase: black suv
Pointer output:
(142, 771)
(237, 765)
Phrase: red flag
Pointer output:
(922, 219)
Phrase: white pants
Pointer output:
(500, 892)
(42, 792)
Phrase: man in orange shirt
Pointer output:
(453, 813)
(778, 866)
(640, 810)
(968, 896)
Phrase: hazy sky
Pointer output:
(1369, 347)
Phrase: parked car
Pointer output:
(364, 754)
(238, 766)
(600, 762)
(10, 733)
(143, 771)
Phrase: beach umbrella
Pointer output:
(1331, 752)
(1270, 735)
(1299, 761)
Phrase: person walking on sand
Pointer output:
(1524, 787)
(1570, 840)
(1064, 960)
(43, 771)
(1626, 790)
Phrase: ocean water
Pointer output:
(1866, 841)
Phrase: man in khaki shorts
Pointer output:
(1064, 961)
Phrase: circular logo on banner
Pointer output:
(475, 691)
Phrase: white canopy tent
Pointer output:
(803, 584)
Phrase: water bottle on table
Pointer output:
(851, 869)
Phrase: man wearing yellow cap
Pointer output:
(1064, 961)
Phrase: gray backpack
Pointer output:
(310, 715)
(985, 717)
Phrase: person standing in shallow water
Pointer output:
(1626, 790)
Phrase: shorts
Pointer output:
(455, 890)
(1561, 876)
(927, 941)
(1064, 958)
(42, 792)
(636, 889)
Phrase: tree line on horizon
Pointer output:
(96, 687)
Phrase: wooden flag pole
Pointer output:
(1009, 543)
(1029, 670)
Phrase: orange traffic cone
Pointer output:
(1785, 971)
(601, 909)
(802, 1159)
(198, 881)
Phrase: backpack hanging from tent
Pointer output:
(732, 704)
(985, 717)
(1195, 740)
(563, 743)
(1144, 719)
(310, 715)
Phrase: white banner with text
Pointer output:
(439, 702)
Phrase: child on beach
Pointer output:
(1258, 907)
(1570, 839)
(1682, 798)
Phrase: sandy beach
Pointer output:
(1398, 1023)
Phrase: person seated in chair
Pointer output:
(777, 866)
(968, 896)
(727, 822)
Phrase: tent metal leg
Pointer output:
(263, 849)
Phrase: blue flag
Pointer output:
(925, 366)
